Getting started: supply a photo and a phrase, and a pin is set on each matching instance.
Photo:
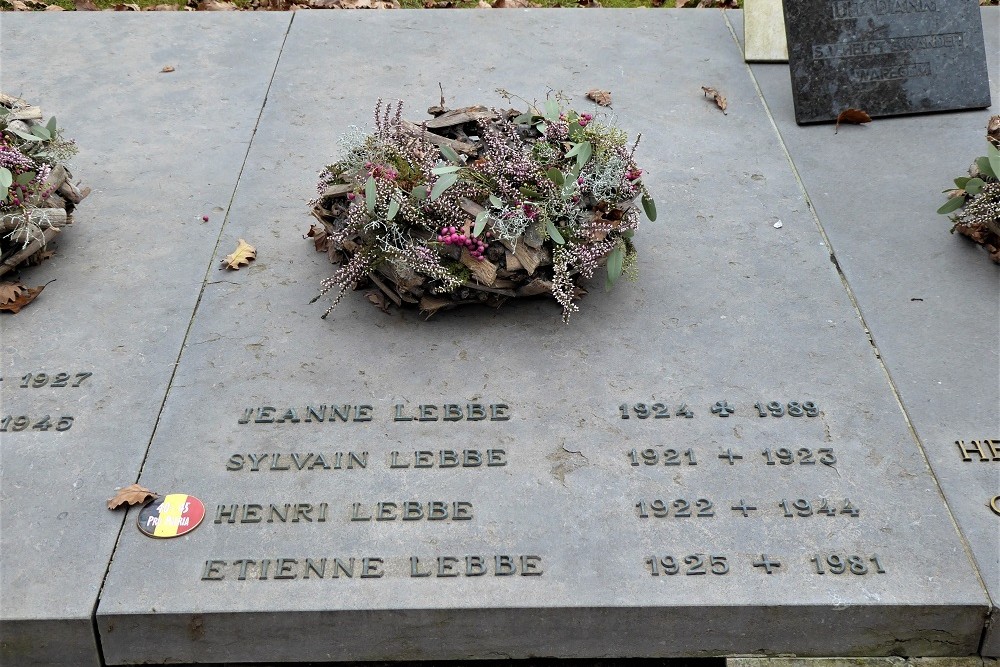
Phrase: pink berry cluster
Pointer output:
(451, 236)
(381, 171)
(633, 174)
(584, 119)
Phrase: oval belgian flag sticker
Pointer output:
(172, 515)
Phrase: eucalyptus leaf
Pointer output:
(480, 223)
(6, 178)
(552, 110)
(25, 178)
(974, 186)
(4, 111)
(952, 204)
(541, 128)
(23, 135)
(586, 151)
(993, 157)
(449, 154)
(443, 184)
(419, 193)
(556, 176)
(575, 150)
(985, 167)
(496, 201)
(51, 126)
(649, 206)
(3, 193)
(437, 171)
(41, 132)
(553, 232)
(616, 262)
(370, 194)
(393, 209)
(961, 181)
(523, 119)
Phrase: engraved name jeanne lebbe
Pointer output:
(373, 567)
(361, 413)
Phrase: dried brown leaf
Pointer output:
(10, 291)
(602, 97)
(167, 69)
(132, 494)
(717, 97)
(215, 6)
(852, 116)
(378, 299)
(242, 256)
(27, 295)
(127, 7)
(514, 4)
(993, 130)
(320, 237)
(85, 6)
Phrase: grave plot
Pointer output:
(708, 461)
(86, 366)
(930, 299)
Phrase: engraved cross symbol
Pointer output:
(723, 409)
(766, 563)
(728, 454)
(743, 507)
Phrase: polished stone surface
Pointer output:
(160, 151)
(885, 57)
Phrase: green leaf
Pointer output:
(451, 169)
(419, 193)
(993, 157)
(552, 110)
(524, 119)
(575, 150)
(961, 181)
(370, 194)
(575, 131)
(496, 201)
(51, 126)
(23, 135)
(6, 178)
(3, 193)
(616, 262)
(586, 151)
(649, 206)
(25, 178)
(985, 166)
(443, 184)
(41, 132)
(556, 176)
(480, 223)
(449, 154)
(393, 209)
(553, 232)
(974, 186)
(951, 205)
(541, 128)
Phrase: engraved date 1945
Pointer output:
(23, 422)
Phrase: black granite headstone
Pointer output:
(886, 57)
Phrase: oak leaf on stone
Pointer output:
(242, 256)
(10, 291)
(602, 97)
(133, 494)
(23, 298)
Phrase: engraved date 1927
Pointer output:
(39, 380)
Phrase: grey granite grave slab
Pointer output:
(886, 57)
(728, 308)
(160, 151)
(931, 300)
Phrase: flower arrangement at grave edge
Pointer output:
(37, 195)
(478, 206)
(975, 201)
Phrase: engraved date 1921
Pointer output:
(39, 380)
(23, 422)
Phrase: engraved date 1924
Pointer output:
(39, 380)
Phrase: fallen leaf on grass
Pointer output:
(26, 296)
(127, 7)
(215, 6)
(167, 69)
(853, 116)
(132, 494)
(10, 291)
(85, 6)
(514, 4)
(720, 101)
(242, 256)
(602, 97)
